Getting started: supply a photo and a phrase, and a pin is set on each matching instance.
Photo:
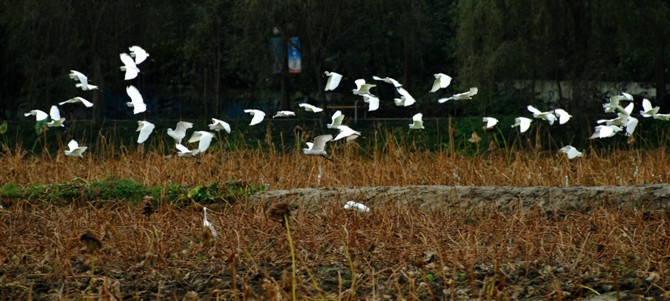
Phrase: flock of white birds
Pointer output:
(624, 122)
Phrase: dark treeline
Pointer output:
(212, 58)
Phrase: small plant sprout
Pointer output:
(208, 226)
(333, 81)
(417, 122)
(351, 205)
(74, 149)
(571, 151)
(258, 116)
(145, 128)
(441, 81)
(310, 108)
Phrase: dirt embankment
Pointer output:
(656, 196)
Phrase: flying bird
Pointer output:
(74, 149)
(77, 99)
(258, 116)
(39, 115)
(605, 131)
(548, 116)
(336, 120)
(56, 120)
(417, 122)
(310, 108)
(405, 98)
(647, 109)
(388, 80)
(179, 132)
(136, 100)
(218, 125)
(284, 114)
(614, 105)
(461, 96)
(562, 115)
(83, 81)
(490, 122)
(145, 128)
(184, 151)
(372, 101)
(441, 81)
(523, 123)
(203, 138)
(138, 53)
(362, 88)
(333, 81)
(571, 151)
(346, 132)
(318, 147)
(129, 66)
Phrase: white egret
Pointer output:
(523, 123)
(664, 117)
(39, 115)
(184, 151)
(605, 131)
(258, 116)
(218, 125)
(82, 79)
(372, 101)
(362, 87)
(310, 108)
(180, 131)
(562, 115)
(77, 99)
(647, 109)
(207, 224)
(203, 138)
(318, 147)
(571, 151)
(334, 79)
(129, 66)
(138, 53)
(136, 100)
(74, 149)
(56, 120)
(284, 114)
(388, 80)
(351, 205)
(441, 81)
(490, 122)
(145, 128)
(548, 115)
(461, 96)
(336, 120)
(614, 105)
(346, 132)
(417, 122)
(405, 99)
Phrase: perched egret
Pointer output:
(388, 80)
(129, 66)
(145, 128)
(346, 132)
(523, 123)
(405, 99)
(334, 79)
(417, 122)
(336, 120)
(218, 125)
(184, 151)
(207, 224)
(203, 138)
(284, 114)
(180, 131)
(490, 122)
(258, 116)
(318, 147)
(77, 99)
(74, 149)
(548, 115)
(461, 96)
(362, 87)
(571, 151)
(372, 101)
(39, 115)
(647, 109)
(310, 108)
(351, 205)
(138, 53)
(562, 115)
(56, 120)
(441, 81)
(83, 81)
(136, 100)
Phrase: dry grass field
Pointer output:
(159, 250)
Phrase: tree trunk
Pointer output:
(660, 73)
